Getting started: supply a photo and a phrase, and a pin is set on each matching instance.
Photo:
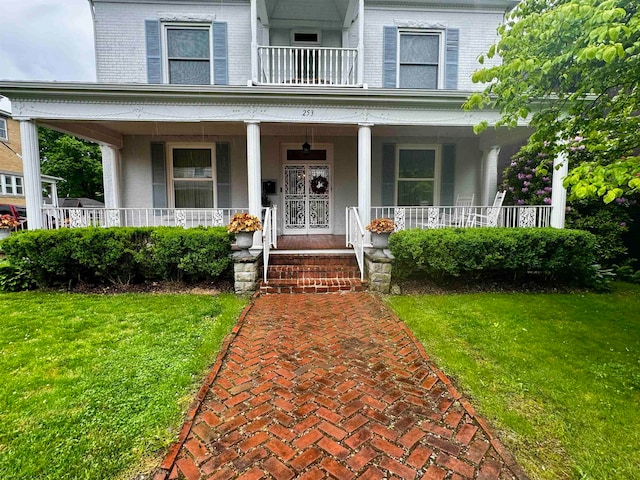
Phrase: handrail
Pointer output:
(268, 239)
(355, 236)
(520, 216)
(307, 65)
(65, 217)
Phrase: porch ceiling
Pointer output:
(296, 13)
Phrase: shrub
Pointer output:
(565, 255)
(119, 255)
(190, 255)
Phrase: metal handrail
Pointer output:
(269, 238)
(355, 236)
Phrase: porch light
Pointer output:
(306, 148)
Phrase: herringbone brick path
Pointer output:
(332, 386)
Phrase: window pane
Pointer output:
(188, 43)
(417, 164)
(412, 193)
(185, 72)
(419, 48)
(191, 163)
(193, 194)
(418, 76)
(3, 128)
(19, 190)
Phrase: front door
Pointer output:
(307, 199)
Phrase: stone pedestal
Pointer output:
(246, 272)
(378, 269)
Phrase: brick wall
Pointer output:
(120, 37)
(477, 33)
(10, 163)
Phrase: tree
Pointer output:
(571, 68)
(77, 161)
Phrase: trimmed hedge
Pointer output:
(119, 255)
(566, 255)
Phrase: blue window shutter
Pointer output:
(388, 174)
(390, 57)
(447, 174)
(451, 60)
(158, 175)
(223, 174)
(220, 57)
(154, 60)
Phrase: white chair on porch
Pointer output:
(490, 219)
(457, 216)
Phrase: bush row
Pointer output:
(119, 255)
(566, 255)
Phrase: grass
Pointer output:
(95, 387)
(557, 374)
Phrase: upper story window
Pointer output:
(188, 54)
(4, 134)
(420, 59)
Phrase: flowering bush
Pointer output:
(7, 221)
(244, 222)
(381, 225)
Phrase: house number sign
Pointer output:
(307, 112)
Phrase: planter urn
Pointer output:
(244, 241)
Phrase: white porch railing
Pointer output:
(355, 236)
(532, 216)
(307, 66)
(269, 236)
(55, 218)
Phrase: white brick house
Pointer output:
(205, 105)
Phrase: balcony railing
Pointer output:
(55, 218)
(307, 66)
(533, 216)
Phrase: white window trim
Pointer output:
(437, 169)
(171, 200)
(306, 31)
(12, 180)
(165, 46)
(441, 53)
(4, 138)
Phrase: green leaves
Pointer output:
(579, 61)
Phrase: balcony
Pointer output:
(308, 66)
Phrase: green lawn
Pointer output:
(557, 374)
(95, 387)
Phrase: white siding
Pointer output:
(120, 37)
(477, 33)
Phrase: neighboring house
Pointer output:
(12, 191)
(313, 107)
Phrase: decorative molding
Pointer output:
(185, 17)
(419, 24)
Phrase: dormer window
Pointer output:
(188, 54)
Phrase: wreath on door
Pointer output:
(319, 185)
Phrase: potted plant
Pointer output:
(380, 229)
(7, 222)
(244, 225)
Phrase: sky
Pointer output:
(50, 40)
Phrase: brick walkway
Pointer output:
(331, 386)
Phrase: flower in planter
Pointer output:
(381, 225)
(244, 222)
(7, 221)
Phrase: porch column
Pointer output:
(364, 174)
(254, 174)
(254, 41)
(360, 69)
(558, 192)
(31, 172)
(490, 175)
(111, 175)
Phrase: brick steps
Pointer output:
(312, 273)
